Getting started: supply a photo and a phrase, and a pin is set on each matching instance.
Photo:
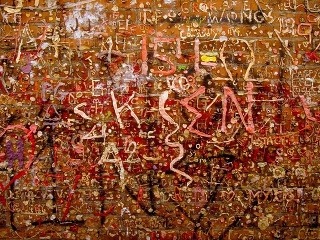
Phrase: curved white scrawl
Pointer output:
(162, 100)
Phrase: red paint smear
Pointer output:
(105, 213)
(74, 228)
(236, 165)
(57, 176)
(70, 196)
(140, 194)
(17, 176)
(312, 56)
(3, 200)
(229, 176)
(255, 154)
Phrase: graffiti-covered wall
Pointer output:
(162, 119)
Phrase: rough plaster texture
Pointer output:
(159, 119)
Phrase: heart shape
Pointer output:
(228, 195)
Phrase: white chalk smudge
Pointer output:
(79, 21)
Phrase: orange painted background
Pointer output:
(171, 119)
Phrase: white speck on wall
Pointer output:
(168, 1)
(44, 45)
(51, 3)
(77, 34)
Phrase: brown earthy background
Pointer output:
(163, 119)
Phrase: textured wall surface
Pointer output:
(160, 119)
